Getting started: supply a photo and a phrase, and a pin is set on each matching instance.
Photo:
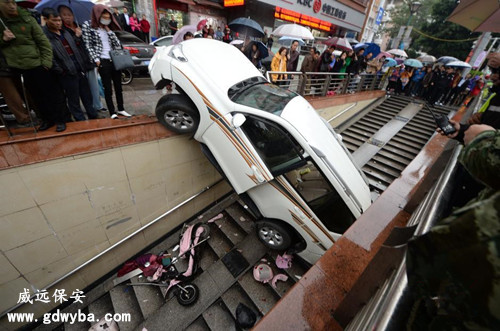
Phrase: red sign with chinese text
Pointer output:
(292, 16)
(232, 3)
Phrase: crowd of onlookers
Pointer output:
(50, 69)
(439, 85)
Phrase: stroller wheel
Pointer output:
(206, 231)
(189, 295)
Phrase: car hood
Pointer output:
(224, 64)
(304, 118)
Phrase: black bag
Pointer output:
(121, 59)
(245, 317)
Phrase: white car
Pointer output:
(287, 164)
(162, 41)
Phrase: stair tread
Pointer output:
(231, 230)
(198, 325)
(260, 294)
(234, 296)
(241, 217)
(218, 317)
(124, 301)
(149, 298)
(101, 306)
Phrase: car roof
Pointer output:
(223, 64)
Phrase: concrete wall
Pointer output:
(57, 214)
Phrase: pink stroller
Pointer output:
(167, 275)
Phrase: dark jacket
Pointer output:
(62, 62)
(30, 48)
(291, 64)
(89, 65)
(309, 64)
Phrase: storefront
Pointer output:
(322, 16)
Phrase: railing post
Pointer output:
(346, 83)
(302, 84)
(327, 84)
(374, 82)
(361, 83)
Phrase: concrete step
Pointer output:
(231, 230)
(234, 296)
(124, 301)
(149, 298)
(218, 241)
(218, 317)
(101, 306)
(78, 326)
(207, 256)
(241, 217)
(198, 325)
(263, 297)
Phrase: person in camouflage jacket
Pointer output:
(454, 269)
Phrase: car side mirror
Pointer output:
(238, 120)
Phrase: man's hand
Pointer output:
(8, 35)
(78, 32)
(98, 63)
(474, 130)
(475, 119)
(456, 125)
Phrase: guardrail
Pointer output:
(326, 83)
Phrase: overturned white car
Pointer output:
(285, 161)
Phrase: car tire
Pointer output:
(177, 113)
(127, 76)
(274, 234)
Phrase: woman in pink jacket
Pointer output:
(135, 26)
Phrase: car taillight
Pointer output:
(132, 50)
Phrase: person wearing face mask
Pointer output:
(100, 39)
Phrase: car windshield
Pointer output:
(264, 96)
(163, 42)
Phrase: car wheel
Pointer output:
(274, 235)
(127, 77)
(178, 113)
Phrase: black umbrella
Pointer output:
(264, 52)
(246, 26)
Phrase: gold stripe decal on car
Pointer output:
(235, 139)
(293, 196)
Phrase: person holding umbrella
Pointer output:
(100, 39)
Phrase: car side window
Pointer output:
(277, 148)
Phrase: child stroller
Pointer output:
(161, 270)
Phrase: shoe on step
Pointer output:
(114, 116)
(60, 127)
(123, 113)
(45, 125)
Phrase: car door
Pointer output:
(236, 156)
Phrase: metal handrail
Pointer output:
(379, 313)
(206, 188)
(327, 83)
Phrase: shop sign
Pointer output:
(333, 11)
(233, 3)
(380, 15)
